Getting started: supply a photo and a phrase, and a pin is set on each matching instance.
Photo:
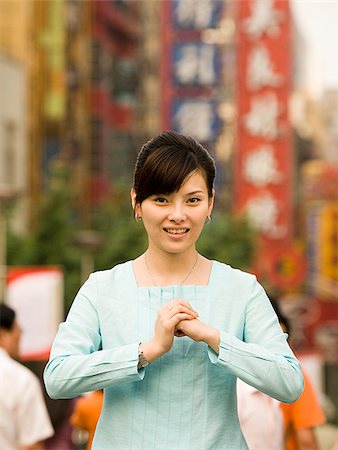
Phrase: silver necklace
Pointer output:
(185, 279)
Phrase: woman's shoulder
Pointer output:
(225, 272)
(234, 284)
(119, 276)
(119, 272)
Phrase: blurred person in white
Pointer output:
(268, 424)
(260, 417)
(24, 420)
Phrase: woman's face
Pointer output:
(174, 222)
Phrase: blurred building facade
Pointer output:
(15, 52)
(329, 106)
(148, 112)
(79, 75)
(100, 129)
(114, 73)
(13, 157)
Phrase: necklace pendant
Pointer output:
(182, 282)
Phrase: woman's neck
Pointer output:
(170, 268)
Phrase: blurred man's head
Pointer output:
(9, 331)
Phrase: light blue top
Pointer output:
(185, 400)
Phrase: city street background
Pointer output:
(83, 84)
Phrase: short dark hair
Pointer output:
(283, 320)
(7, 317)
(165, 161)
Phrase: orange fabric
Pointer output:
(86, 414)
(306, 412)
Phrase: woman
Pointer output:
(166, 335)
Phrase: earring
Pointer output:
(138, 218)
(208, 219)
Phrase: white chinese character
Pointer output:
(260, 70)
(264, 19)
(260, 167)
(195, 118)
(186, 67)
(263, 213)
(262, 118)
(206, 70)
(196, 65)
(194, 13)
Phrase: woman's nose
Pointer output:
(177, 214)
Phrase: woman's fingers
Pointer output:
(177, 306)
(177, 318)
(179, 309)
(168, 317)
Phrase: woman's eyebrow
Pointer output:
(195, 192)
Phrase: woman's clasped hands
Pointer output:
(177, 318)
(168, 320)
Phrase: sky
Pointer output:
(317, 21)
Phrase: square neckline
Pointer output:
(171, 286)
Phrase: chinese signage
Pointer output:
(196, 15)
(190, 68)
(195, 64)
(263, 160)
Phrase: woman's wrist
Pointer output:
(151, 351)
(212, 338)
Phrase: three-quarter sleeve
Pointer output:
(263, 357)
(77, 364)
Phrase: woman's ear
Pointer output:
(133, 198)
(211, 202)
(134, 204)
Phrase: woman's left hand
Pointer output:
(196, 329)
(199, 332)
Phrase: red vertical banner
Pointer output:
(263, 157)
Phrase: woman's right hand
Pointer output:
(168, 317)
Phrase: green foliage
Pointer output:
(123, 237)
(228, 239)
(51, 242)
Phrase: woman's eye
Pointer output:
(194, 200)
(160, 199)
